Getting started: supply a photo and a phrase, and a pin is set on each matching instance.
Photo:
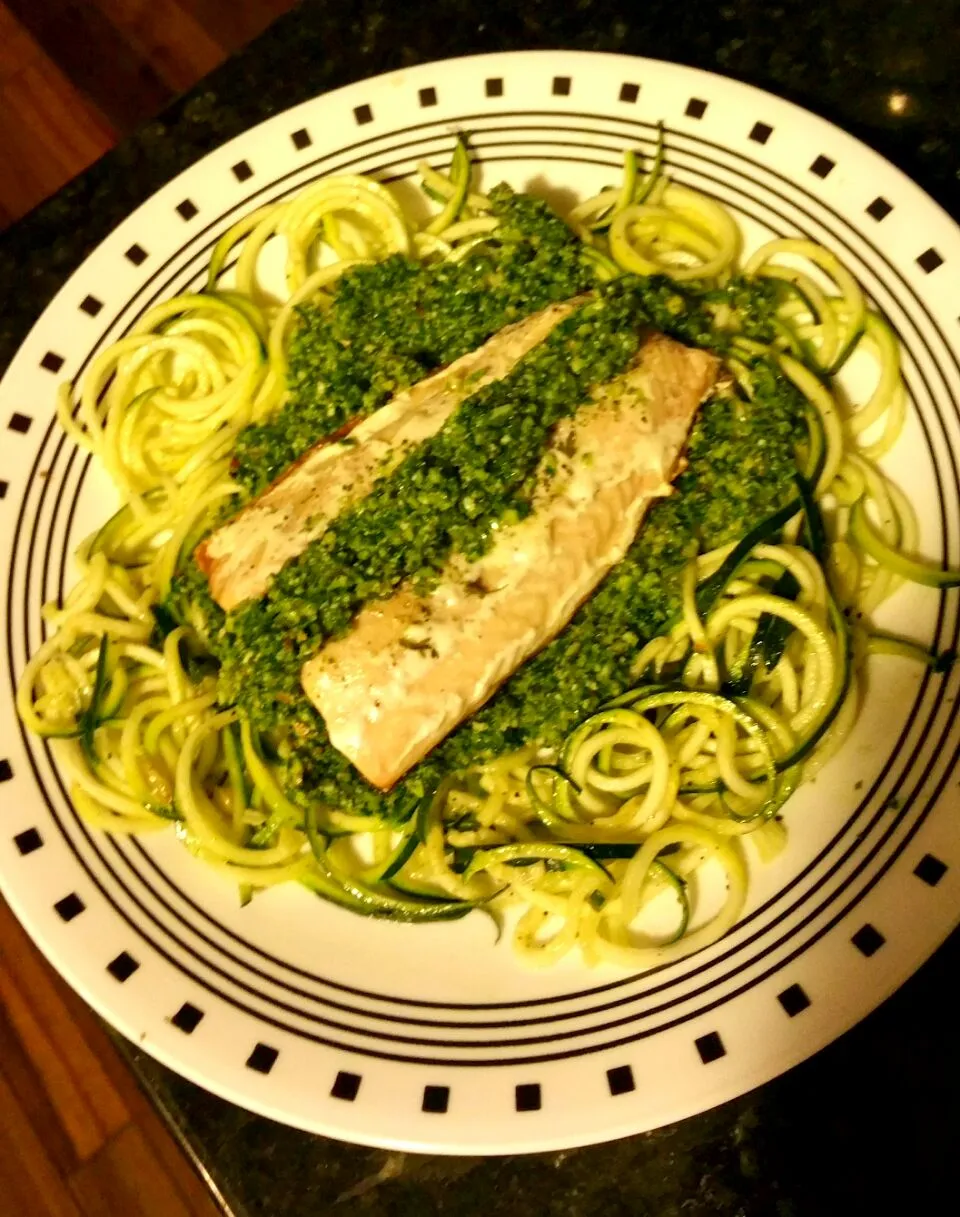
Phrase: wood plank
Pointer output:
(62, 1039)
(93, 54)
(127, 1179)
(109, 1082)
(162, 33)
(49, 134)
(40, 1039)
(234, 25)
(76, 76)
(17, 48)
(167, 1149)
(30, 1185)
(45, 107)
(36, 1106)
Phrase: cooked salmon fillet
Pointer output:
(414, 666)
(242, 557)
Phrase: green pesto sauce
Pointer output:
(445, 494)
(443, 497)
(393, 323)
(741, 468)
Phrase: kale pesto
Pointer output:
(393, 323)
(390, 325)
(445, 496)
(741, 467)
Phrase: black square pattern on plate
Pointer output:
(363, 114)
(242, 171)
(929, 260)
(822, 166)
(562, 86)
(793, 1000)
(620, 1080)
(187, 209)
(28, 841)
(21, 423)
(301, 139)
(91, 305)
(51, 362)
(629, 92)
(69, 907)
(879, 209)
(528, 1096)
(4, 487)
(930, 869)
(428, 96)
(868, 940)
(696, 108)
(6, 771)
(123, 967)
(136, 254)
(262, 1059)
(710, 1047)
(494, 86)
(760, 133)
(346, 1086)
(436, 1099)
(188, 1018)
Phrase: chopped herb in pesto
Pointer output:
(741, 468)
(447, 495)
(395, 322)
(189, 603)
(741, 465)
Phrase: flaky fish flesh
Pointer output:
(412, 667)
(240, 558)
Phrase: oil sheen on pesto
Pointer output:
(393, 323)
(741, 468)
(389, 326)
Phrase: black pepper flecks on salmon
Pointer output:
(740, 467)
(414, 666)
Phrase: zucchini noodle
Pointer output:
(610, 844)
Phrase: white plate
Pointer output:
(432, 1038)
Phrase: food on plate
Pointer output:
(240, 558)
(413, 666)
(501, 562)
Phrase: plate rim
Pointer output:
(799, 112)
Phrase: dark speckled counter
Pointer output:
(870, 1125)
(866, 1128)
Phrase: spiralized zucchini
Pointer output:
(595, 847)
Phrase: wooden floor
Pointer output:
(77, 1138)
(77, 75)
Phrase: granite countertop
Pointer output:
(869, 1123)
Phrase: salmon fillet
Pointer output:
(414, 666)
(240, 558)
